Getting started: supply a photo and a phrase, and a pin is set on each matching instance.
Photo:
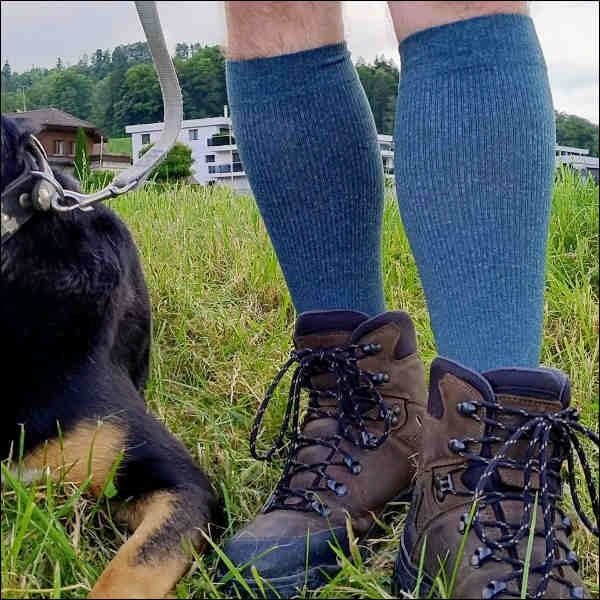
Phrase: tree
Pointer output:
(7, 82)
(140, 100)
(176, 165)
(182, 51)
(203, 85)
(81, 162)
(10, 102)
(380, 82)
(100, 64)
(71, 91)
(59, 64)
(575, 131)
(83, 65)
(138, 53)
(119, 58)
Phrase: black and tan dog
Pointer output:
(76, 328)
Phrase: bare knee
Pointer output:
(410, 17)
(262, 29)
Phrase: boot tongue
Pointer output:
(324, 329)
(549, 386)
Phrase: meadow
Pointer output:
(223, 322)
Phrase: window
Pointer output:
(193, 134)
(224, 130)
(235, 157)
(59, 147)
(145, 138)
(72, 151)
(210, 158)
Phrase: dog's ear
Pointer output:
(14, 139)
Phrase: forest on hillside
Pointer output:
(119, 88)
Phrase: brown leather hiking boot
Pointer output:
(354, 452)
(502, 438)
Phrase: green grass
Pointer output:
(222, 327)
(119, 145)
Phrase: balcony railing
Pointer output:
(226, 168)
(220, 140)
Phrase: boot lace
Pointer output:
(355, 396)
(551, 438)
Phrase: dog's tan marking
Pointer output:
(145, 567)
(69, 458)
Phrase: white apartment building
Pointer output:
(216, 160)
(386, 147)
(577, 158)
(213, 146)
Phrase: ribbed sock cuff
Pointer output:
(260, 79)
(491, 40)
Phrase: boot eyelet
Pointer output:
(462, 524)
(443, 485)
(353, 465)
(457, 446)
(492, 589)
(576, 592)
(371, 348)
(566, 523)
(320, 508)
(368, 440)
(339, 489)
(379, 378)
(466, 409)
(573, 560)
(481, 555)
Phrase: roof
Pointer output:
(53, 117)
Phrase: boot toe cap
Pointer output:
(283, 560)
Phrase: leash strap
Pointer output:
(172, 99)
(137, 174)
(48, 194)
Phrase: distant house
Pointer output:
(57, 131)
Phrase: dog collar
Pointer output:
(34, 190)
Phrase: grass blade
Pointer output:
(525, 577)
(461, 549)
(417, 591)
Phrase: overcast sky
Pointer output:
(35, 33)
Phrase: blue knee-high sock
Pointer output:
(308, 142)
(474, 168)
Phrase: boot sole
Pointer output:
(406, 575)
(314, 577)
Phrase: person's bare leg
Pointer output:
(410, 17)
(262, 29)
